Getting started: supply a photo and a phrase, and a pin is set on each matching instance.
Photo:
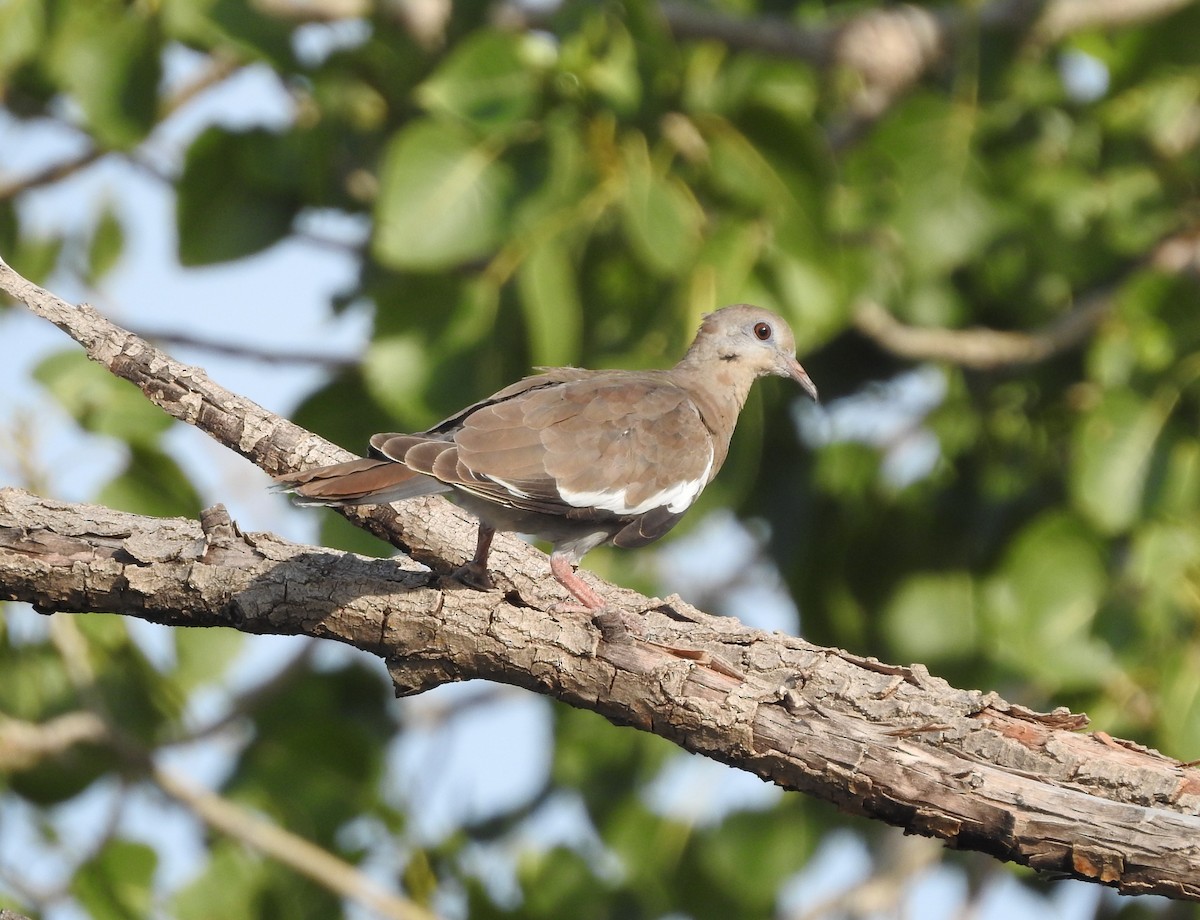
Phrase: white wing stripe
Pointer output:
(505, 484)
(676, 498)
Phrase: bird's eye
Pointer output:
(762, 331)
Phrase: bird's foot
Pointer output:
(474, 576)
(611, 622)
(612, 625)
(616, 628)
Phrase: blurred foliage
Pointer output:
(581, 192)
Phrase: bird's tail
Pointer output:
(357, 482)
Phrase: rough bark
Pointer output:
(887, 742)
(892, 743)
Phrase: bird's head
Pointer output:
(751, 342)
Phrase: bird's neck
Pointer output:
(719, 391)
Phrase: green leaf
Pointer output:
(662, 219)
(36, 684)
(153, 484)
(727, 257)
(35, 257)
(847, 469)
(1162, 566)
(22, 31)
(115, 883)
(602, 58)
(1110, 458)
(230, 887)
(750, 855)
(810, 298)
(203, 655)
(487, 80)
(100, 402)
(394, 370)
(550, 300)
(1178, 493)
(601, 761)
(344, 412)
(559, 883)
(1045, 596)
(107, 243)
(36, 688)
(740, 171)
(340, 741)
(932, 617)
(61, 778)
(126, 680)
(921, 157)
(1179, 697)
(443, 199)
(338, 532)
(244, 31)
(238, 194)
(107, 54)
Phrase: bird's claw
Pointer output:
(612, 625)
(474, 576)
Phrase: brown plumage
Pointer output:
(578, 457)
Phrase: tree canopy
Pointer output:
(980, 219)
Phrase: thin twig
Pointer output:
(991, 349)
(50, 174)
(981, 348)
(1065, 17)
(246, 352)
(290, 849)
(889, 49)
(817, 44)
(221, 67)
(245, 703)
(24, 744)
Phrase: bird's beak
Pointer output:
(793, 369)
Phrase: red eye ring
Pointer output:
(762, 331)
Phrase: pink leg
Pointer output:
(564, 574)
(613, 626)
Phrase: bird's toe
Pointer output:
(474, 576)
(612, 625)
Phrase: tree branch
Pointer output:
(432, 531)
(50, 174)
(220, 67)
(980, 348)
(247, 352)
(887, 742)
(24, 744)
(889, 50)
(824, 46)
(990, 349)
(294, 851)
(1065, 17)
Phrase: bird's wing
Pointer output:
(548, 377)
(594, 445)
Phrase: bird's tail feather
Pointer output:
(357, 482)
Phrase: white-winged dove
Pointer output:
(578, 457)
